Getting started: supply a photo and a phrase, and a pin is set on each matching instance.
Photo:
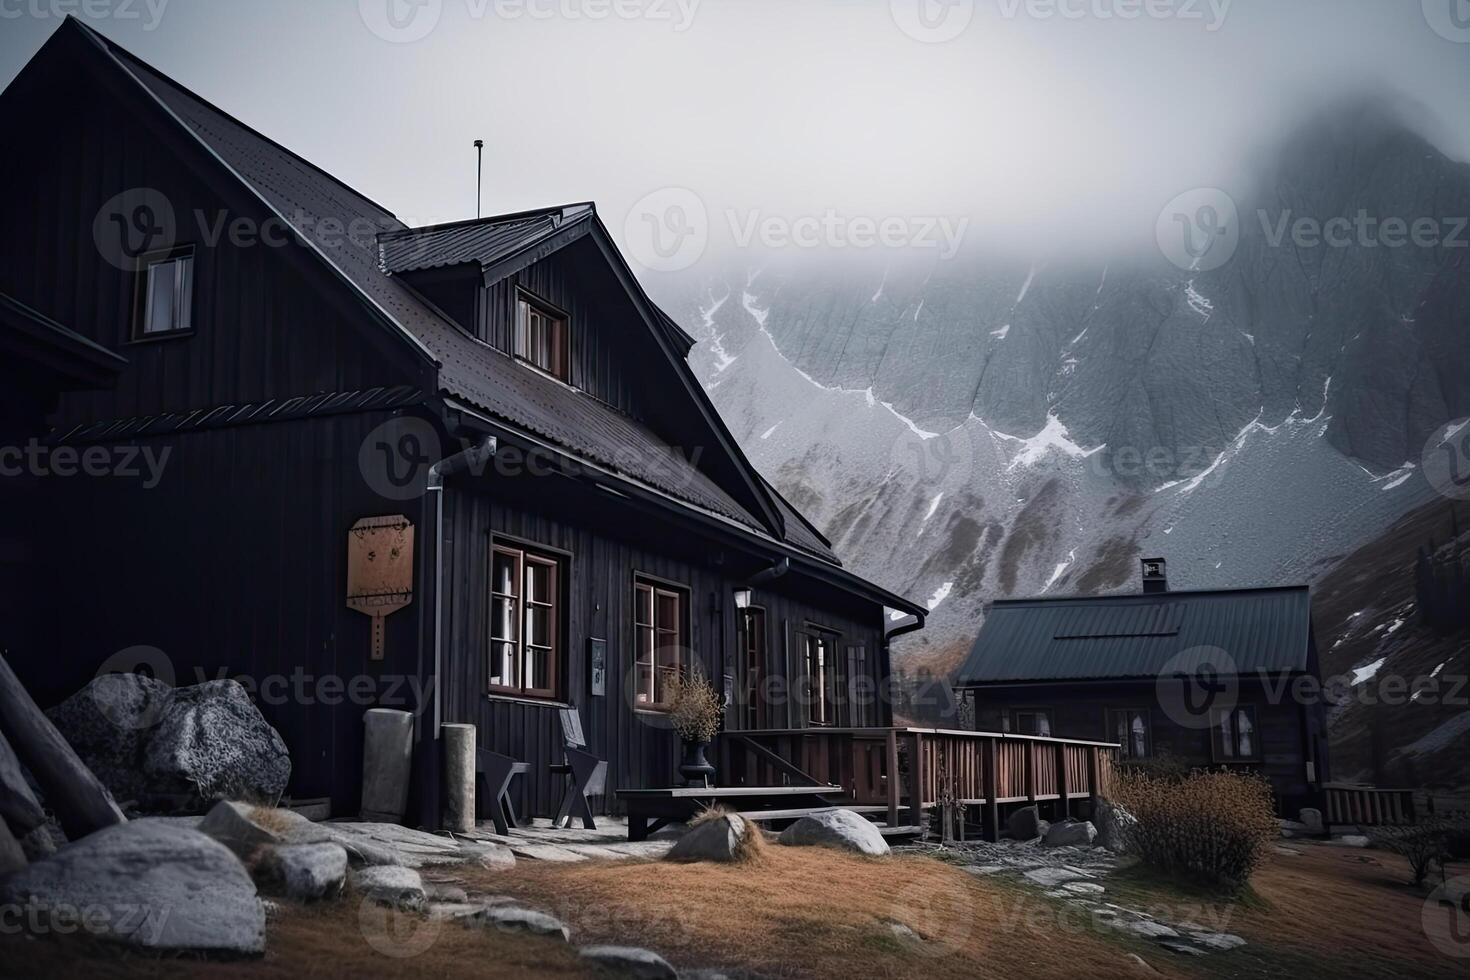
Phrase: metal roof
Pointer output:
(1136, 636)
(482, 242)
(319, 207)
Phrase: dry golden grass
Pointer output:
(273, 819)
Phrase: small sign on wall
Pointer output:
(597, 665)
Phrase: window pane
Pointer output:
(503, 574)
(643, 645)
(502, 664)
(538, 582)
(537, 676)
(1245, 729)
(502, 618)
(643, 606)
(668, 611)
(1227, 736)
(538, 626)
(184, 284)
(159, 316)
(1139, 732)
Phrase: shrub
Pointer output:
(1212, 826)
(695, 707)
(1423, 845)
(1161, 766)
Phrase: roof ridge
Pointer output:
(1156, 596)
(491, 219)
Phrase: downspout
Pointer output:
(473, 458)
(888, 635)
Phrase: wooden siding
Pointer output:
(606, 547)
(1080, 711)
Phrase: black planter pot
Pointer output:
(695, 768)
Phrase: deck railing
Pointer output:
(1369, 806)
(907, 770)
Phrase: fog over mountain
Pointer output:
(1003, 424)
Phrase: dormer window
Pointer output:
(541, 337)
(165, 304)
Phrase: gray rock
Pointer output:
(1311, 819)
(1352, 840)
(1217, 940)
(149, 883)
(439, 892)
(212, 743)
(370, 843)
(305, 872)
(630, 961)
(1051, 877)
(108, 723)
(1182, 948)
(185, 747)
(44, 841)
(19, 807)
(714, 840)
(1145, 928)
(1114, 824)
(513, 918)
(1084, 888)
(235, 826)
(836, 828)
(390, 885)
(1026, 824)
(1073, 833)
(1289, 851)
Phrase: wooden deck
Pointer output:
(908, 770)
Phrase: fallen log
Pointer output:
(77, 797)
(12, 858)
(18, 804)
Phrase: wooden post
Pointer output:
(1029, 769)
(892, 778)
(77, 797)
(1094, 778)
(992, 789)
(916, 782)
(1062, 806)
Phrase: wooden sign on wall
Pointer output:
(597, 662)
(380, 570)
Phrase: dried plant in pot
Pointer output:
(695, 711)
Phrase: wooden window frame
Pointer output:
(1110, 731)
(1013, 720)
(1217, 737)
(529, 305)
(524, 558)
(664, 638)
(138, 334)
(831, 681)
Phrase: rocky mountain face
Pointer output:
(1253, 407)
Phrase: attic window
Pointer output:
(541, 337)
(165, 294)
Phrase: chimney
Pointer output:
(1155, 576)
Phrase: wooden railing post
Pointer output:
(892, 778)
(1029, 769)
(992, 789)
(916, 782)
(1094, 778)
(1062, 786)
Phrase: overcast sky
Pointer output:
(1019, 113)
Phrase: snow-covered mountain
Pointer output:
(992, 425)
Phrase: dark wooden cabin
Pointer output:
(299, 360)
(1208, 679)
(290, 360)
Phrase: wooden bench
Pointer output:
(651, 809)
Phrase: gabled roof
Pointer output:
(1135, 636)
(318, 206)
(481, 241)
